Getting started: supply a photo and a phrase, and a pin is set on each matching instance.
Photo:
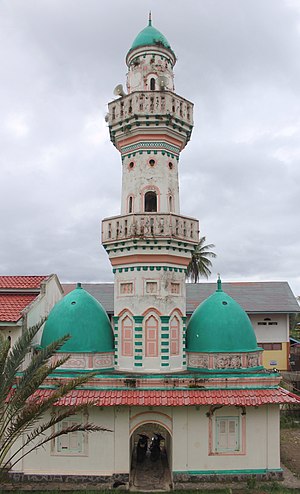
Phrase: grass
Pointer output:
(272, 488)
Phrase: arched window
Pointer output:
(127, 336)
(174, 335)
(151, 336)
(130, 204)
(171, 204)
(150, 202)
(152, 84)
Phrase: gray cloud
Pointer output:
(237, 61)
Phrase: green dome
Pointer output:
(82, 317)
(219, 325)
(150, 36)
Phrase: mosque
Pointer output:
(201, 387)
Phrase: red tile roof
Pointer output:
(189, 397)
(12, 305)
(15, 282)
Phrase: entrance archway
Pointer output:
(151, 459)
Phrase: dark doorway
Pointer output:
(149, 472)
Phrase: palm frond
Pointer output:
(200, 263)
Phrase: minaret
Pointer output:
(150, 243)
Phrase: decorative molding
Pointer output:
(149, 268)
(223, 361)
(86, 361)
(149, 144)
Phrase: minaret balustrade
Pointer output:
(154, 225)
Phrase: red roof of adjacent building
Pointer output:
(189, 397)
(21, 282)
(11, 306)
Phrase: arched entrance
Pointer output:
(151, 458)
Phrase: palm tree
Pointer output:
(200, 263)
(21, 413)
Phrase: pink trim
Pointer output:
(150, 188)
(151, 310)
(149, 137)
(211, 434)
(151, 421)
(177, 312)
(125, 311)
(148, 258)
(130, 168)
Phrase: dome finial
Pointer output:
(150, 18)
(219, 284)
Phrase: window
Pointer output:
(151, 287)
(73, 443)
(170, 204)
(151, 337)
(130, 204)
(152, 84)
(150, 202)
(174, 335)
(227, 434)
(127, 336)
(267, 321)
(271, 346)
(126, 288)
(175, 288)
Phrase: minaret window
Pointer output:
(152, 84)
(150, 202)
(127, 336)
(130, 204)
(151, 337)
(174, 336)
(171, 204)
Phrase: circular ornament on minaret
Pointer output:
(152, 162)
(131, 165)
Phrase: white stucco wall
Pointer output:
(271, 333)
(187, 434)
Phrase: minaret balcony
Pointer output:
(142, 104)
(156, 226)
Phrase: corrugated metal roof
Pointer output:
(260, 296)
(254, 297)
(188, 397)
(11, 306)
(103, 292)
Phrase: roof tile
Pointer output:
(21, 282)
(12, 305)
(240, 397)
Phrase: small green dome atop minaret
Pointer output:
(220, 324)
(82, 317)
(150, 36)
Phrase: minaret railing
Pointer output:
(150, 225)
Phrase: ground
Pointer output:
(290, 449)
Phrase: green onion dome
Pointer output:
(82, 317)
(150, 36)
(219, 325)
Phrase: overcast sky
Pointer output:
(238, 61)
